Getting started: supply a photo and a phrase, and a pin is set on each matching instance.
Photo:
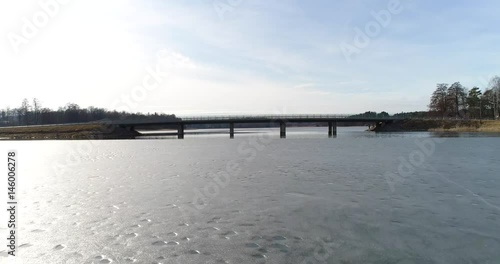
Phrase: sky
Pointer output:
(244, 56)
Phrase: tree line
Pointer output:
(32, 113)
(457, 101)
(371, 114)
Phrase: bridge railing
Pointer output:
(282, 117)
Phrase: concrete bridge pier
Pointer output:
(282, 129)
(231, 130)
(180, 131)
(332, 129)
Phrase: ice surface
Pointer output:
(299, 200)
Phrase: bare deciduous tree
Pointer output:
(495, 88)
(36, 111)
(439, 99)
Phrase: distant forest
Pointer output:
(32, 113)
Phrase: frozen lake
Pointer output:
(358, 198)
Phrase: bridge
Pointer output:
(181, 123)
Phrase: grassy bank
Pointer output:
(472, 126)
(76, 131)
(442, 126)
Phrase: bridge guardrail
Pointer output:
(284, 117)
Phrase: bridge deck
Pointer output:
(260, 119)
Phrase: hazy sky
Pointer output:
(244, 56)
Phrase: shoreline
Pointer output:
(67, 132)
(411, 125)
